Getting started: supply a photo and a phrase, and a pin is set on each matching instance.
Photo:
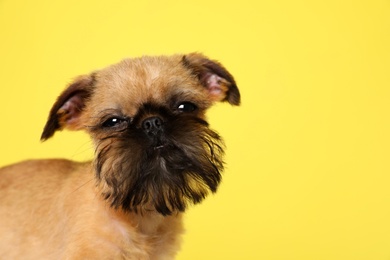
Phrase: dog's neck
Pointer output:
(149, 223)
(163, 232)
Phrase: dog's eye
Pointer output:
(114, 122)
(186, 107)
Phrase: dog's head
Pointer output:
(154, 149)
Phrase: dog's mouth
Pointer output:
(158, 143)
(159, 147)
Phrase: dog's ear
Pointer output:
(66, 111)
(214, 77)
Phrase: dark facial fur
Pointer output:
(154, 149)
(167, 171)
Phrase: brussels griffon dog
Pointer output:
(154, 156)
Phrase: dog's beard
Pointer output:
(181, 169)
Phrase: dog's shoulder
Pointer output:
(47, 169)
(43, 165)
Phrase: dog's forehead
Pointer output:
(134, 82)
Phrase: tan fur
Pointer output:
(57, 209)
(44, 200)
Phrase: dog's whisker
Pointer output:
(82, 185)
(86, 147)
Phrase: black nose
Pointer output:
(152, 125)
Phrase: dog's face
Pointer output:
(154, 149)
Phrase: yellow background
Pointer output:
(308, 158)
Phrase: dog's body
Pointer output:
(155, 155)
(50, 210)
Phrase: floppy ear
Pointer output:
(66, 111)
(213, 76)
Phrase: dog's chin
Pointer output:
(165, 177)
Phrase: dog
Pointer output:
(155, 155)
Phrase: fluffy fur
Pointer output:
(155, 155)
